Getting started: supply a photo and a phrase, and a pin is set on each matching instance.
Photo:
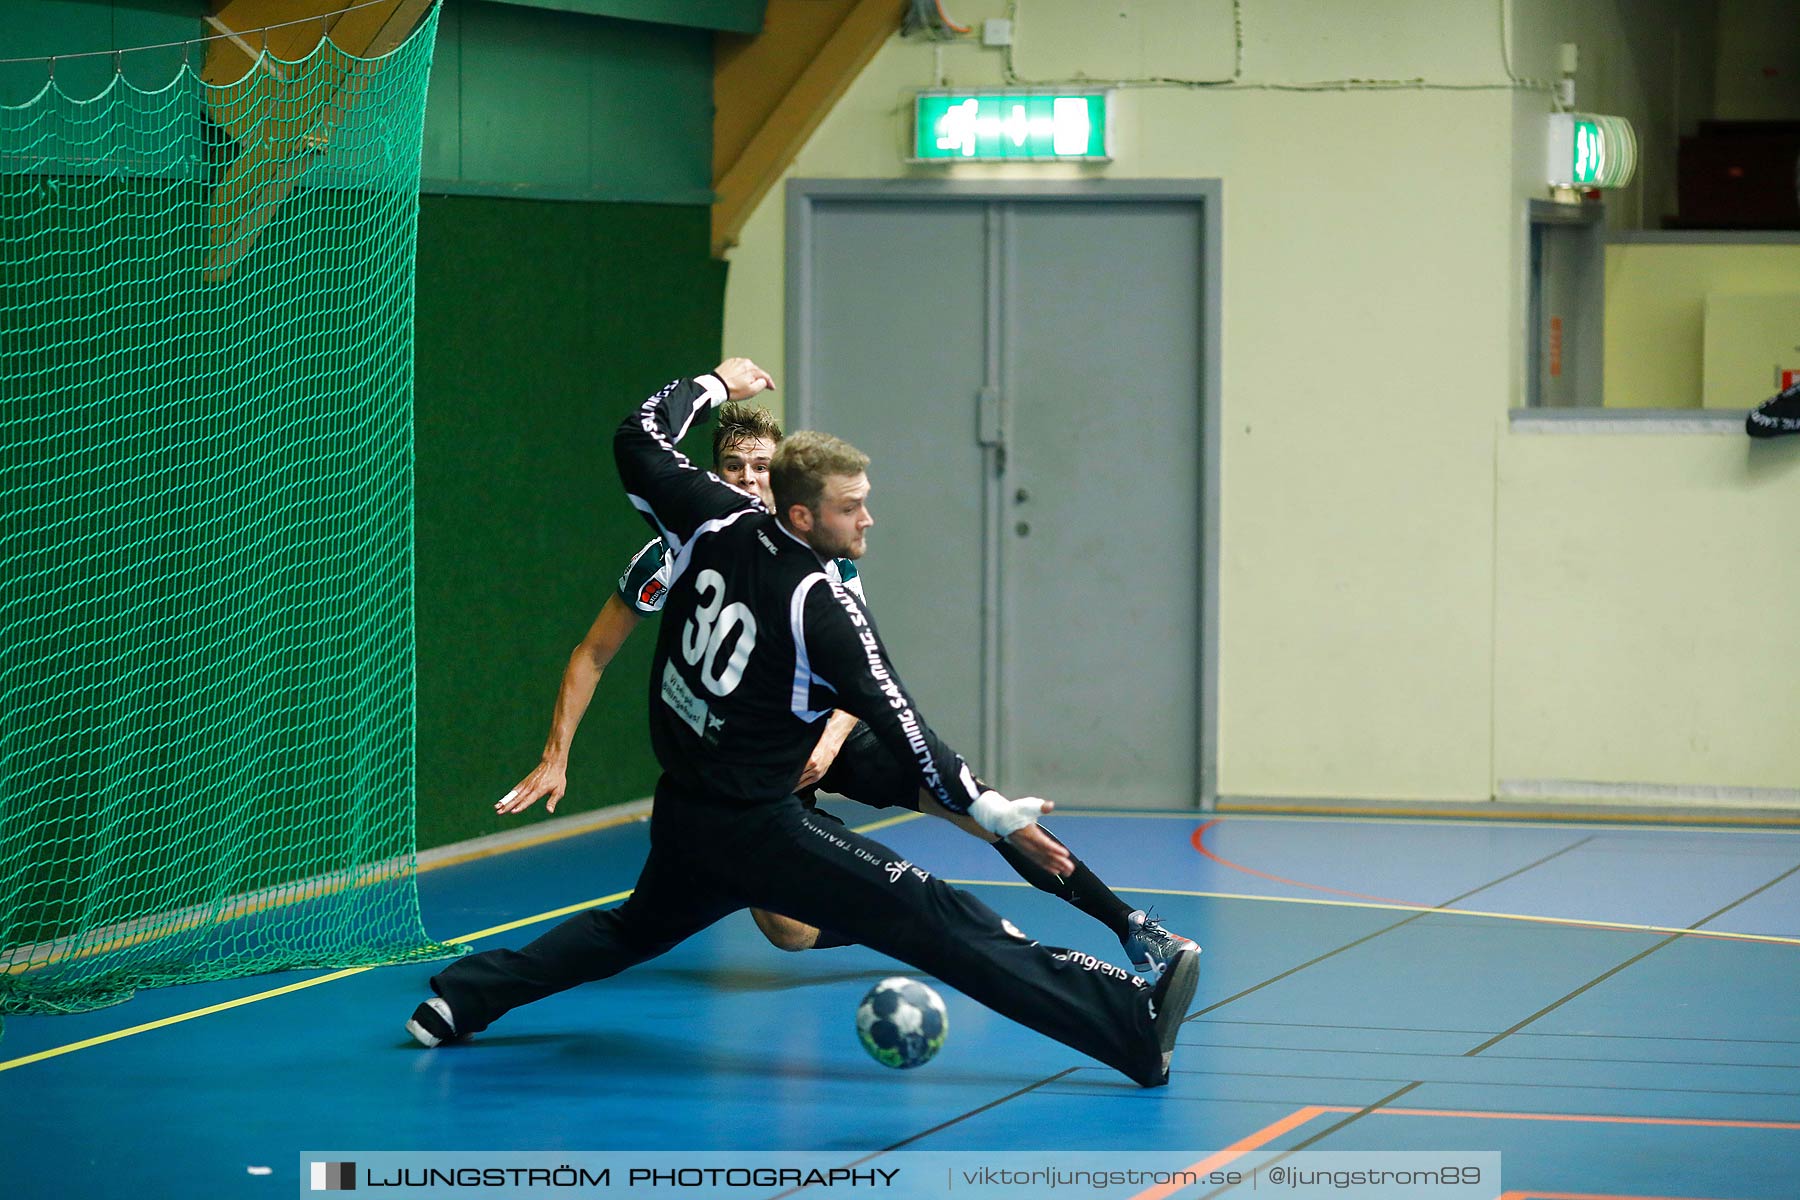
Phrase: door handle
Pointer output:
(990, 417)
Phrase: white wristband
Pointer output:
(716, 391)
(1002, 817)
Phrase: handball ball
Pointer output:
(902, 1023)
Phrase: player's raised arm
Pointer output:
(676, 497)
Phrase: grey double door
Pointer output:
(1026, 376)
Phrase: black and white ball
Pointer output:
(902, 1023)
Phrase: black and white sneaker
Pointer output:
(1150, 947)
(1775, 416)
(1169, 1001)
(431, 1023)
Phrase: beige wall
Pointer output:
(1373, 300)
(1656, 295)
(1647, 587)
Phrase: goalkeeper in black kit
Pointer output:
(758, 645)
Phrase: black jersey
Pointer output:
(758, 643)
(644, 584)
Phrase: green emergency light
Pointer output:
(1017, 125)
(1591, 151)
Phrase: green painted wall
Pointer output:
(531, 102)
(39, 28)
(734, 16)
(539, 326)
(524, 101)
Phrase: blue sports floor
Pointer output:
(1614, 1008)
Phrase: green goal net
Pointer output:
(206, 574)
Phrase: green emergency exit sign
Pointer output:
(1588, 150)
(1027, 125)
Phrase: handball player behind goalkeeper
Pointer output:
(849, 759)
(758, 646)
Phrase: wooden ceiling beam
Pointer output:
(822, 81)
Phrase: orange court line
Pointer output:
(1198, 840)
(1238, 1149)
(1534, 1195)
(1301, 1116)
(1591, 1118)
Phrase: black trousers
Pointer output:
(708, 859)
(867, 772)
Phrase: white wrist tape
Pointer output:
(1001, 817)
(716, 391)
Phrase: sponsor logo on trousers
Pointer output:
(1090, 963)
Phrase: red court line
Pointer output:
(1237, 1149)
(1199, 841)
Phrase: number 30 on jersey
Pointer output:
(707, 631)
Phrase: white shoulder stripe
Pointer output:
(803, 673)
(683, 551)
(662, 531)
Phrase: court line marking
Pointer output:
(1576, 922)
(1303, 1115)
(234, 908)
(1534, 1194)
(1769, 819)
(179, 1018)
(505, 842)
(1197, 839)
(1235, 1151)
(302, 985)
(1657, 822)
(1576, 1118)
(566, 910)
(1640, 956)
(973, 1112)
(526, 838)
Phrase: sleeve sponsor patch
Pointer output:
(645, 583)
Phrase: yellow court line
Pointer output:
(524, 841)
(566, 910)
(315, 889)
(1515, 819)
(885, 823)
(1730, 820)
(302, 985)
(1614, 926)
(871, 827)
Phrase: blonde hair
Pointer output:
(801, 464)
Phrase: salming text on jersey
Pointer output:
(752, 653)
